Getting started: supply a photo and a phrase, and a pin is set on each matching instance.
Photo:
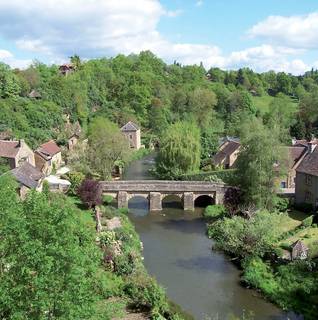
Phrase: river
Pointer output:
(178, 254)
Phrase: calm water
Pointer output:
(178, 254)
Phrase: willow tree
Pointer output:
(180, 150)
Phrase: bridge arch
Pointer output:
(204, 200)
(138, 203)
(172, 200)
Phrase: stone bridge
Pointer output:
(156, 190)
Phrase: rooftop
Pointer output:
(9, 149)
(310, 163)
(48, 149)
(27, 175)
(129, 126)
(226, 149)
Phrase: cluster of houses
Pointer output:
(32, 167)
(301, 166)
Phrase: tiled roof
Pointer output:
(129, 126)
(294, 154)
(9, 149)
(229, 148)
(310, 163)
(48, 149)
(27, 175)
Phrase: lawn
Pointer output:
(262, 103)
(310, 238)
(291, 221)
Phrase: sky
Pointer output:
(280, 35)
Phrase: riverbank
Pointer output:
(254, 244)
(129, 291)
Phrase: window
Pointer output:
(283, 184)
(308, 180)
(130, 136)
(308, 196)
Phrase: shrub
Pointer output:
(308, 221)
(124, 210)
(285, 246)
(281, 204)
(107, 199)
(214, 211)
(90, 192)
(76, 179)
(107, 238)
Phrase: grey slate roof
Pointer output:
(230, 148)
(28, 175)
(309, 165)
(129, 126)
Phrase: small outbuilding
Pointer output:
(132, 133)
(299, 250)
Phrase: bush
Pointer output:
(214, 211)
(308, 221)
(281, 204)
(147, 294)
(76, 179)
(123, 210)
(107, 199)
(285, 246)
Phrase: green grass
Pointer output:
(310, 238)
(262, 103)
(291, 220)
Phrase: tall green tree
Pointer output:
(48, 261)
(255, 164)
(180, 150)
(106, 146)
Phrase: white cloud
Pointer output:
(60, 28)
(8, 58)
(199, 3)
(293, 31)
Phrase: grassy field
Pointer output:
(291, 221)
(262, 103)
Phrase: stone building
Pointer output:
(306, 191)
(293, 158)
(132, 132)
(66, 69)
(16, 152)
(28, 177)
(227, 154)
(48, 157)
(299, 251)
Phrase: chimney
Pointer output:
(21, 143)
(311, 147)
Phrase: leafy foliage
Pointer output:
(90, 192)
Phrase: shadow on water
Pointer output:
(193, 226)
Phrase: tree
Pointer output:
(106, 146)
(90, 192)
(180, 150)
(255, 163)
(49, 259)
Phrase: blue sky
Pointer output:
(281, 35)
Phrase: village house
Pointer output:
(66, 69)
(48, 157)
(34, 94)
(132, 133)
(227, 154)
(16, 153)
(293, 157)
(306, 191)
(72, 141)
(28, 177)
(299, 250)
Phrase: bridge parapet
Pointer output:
(154, 190)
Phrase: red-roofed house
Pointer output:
(48, 157)
(16, 152)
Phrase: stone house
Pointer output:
(132, 133)
(66, 69)
(48, 157)
(34, 94)
(306, 190)
(293, 157)
(28, 177)
(299, 250)
(227, 154)
(72, 141)
(16, 152)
